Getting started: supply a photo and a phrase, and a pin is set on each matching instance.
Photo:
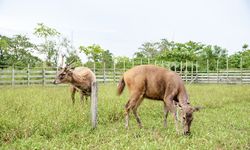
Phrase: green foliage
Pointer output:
(17, 51)
(107, 58)
(98, 55)
(181, 52)
(73, 57)
(212, 54)
(149, 49)
(45, 32)
(49, 46)
(246, 58)
(4, 47)
(4, 43)
(120, 61)
(244, 47)
(93, 52)
(50, 121)
(235, 59)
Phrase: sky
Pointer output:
(121, 26)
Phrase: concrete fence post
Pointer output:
(94, 67)
(241, 64)
(124, 66)
(114, 73)
(207, 71)
(186, 71)
(192, 71)
(217, 69)
(181, 69)
(43, 75)
(28, 75)
(104, 72)
(196, 71)
(94, 99)
(227, 70)
(13, 75)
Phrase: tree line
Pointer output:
(20, 51)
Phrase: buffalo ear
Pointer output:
(197, 108)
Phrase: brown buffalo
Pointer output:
(80, 79)
(152, 82)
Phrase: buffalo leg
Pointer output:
(135, 111)
(177, 110)
(176, 121)
(82, 97)
(171, 107)
(73, 91)
(137, 117)
(127, 109)
(165, 115)
(131, 105)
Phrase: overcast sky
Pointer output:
(122, 26)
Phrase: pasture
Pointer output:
(40, 117)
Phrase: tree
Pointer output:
(246, 58)
(17, 50)
(93, 52)
(97, 55)
(149, 49)
(178, 52)
(107, 58)
(244, 55)
(244, 47)
(120, 60)
(4, 47)
(212, 54)
(65, 49)
(48, 47)
(45, 32)
(235, 60)
(73, 57)
(165, 45)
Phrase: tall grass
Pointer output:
(44, 118)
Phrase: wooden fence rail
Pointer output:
(45, 76)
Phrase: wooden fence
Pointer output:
(45, 76)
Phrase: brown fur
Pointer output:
(157, 83)
(79, 78)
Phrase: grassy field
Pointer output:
(44, 118)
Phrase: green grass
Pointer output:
(44, 118)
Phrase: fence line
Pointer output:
(45, 76)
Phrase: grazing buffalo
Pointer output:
(157, 83)
(80, 79)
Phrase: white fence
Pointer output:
(45, 76)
